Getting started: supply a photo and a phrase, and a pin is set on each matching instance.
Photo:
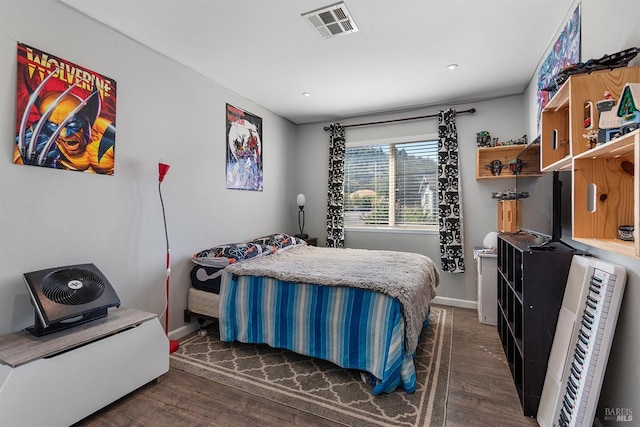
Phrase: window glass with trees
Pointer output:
(391, 185)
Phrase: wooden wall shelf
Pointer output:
(572, 112)
(614, 196)
(505, 153)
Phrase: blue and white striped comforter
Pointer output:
(351, 327)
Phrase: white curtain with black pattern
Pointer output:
(449, 194)
(335, 196)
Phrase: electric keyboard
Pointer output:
(582, 342)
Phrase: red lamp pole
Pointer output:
(163, 168)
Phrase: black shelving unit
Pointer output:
(530, 290)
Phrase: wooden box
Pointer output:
(509, 215)
(572, 112)
(605, 194)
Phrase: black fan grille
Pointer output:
(72, 286)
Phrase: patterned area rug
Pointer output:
(322, 388)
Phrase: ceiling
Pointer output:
(265, 51)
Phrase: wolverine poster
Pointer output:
(244, 150)
(66, 115)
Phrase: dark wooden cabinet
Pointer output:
(530, 290)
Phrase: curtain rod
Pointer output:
(470, 110)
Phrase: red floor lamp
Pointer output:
(163, 168)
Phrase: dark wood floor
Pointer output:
(481, 390)
(481, 393)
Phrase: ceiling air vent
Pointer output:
(331, 21)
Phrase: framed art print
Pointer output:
(66, 115)
(565, 51)
(244, 150)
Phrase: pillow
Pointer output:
(280, 241)
(222, 255)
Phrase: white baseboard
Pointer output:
(454, 302)
(183, 331)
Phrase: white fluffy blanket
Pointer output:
(410, 278)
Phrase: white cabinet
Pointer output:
(487, 288)
(59, 379)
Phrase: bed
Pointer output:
(360, 309)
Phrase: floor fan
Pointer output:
(68, 296)
(163, 168)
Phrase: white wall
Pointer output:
(609, 27)
(503, 117)
(50, 218)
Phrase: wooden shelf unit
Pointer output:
(530, 291)
(564, 117)
(604, 195)
(504, 153)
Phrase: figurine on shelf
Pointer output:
(607, 62)
(520, 141)
(516, 165)
(629, 108)
(617, 120)
(604, 107)
(592, 137)
(483, 138)
(509, 195)
(495, 167)
(495, 142)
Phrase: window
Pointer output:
(391, 185)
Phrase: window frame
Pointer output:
(413, 229)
